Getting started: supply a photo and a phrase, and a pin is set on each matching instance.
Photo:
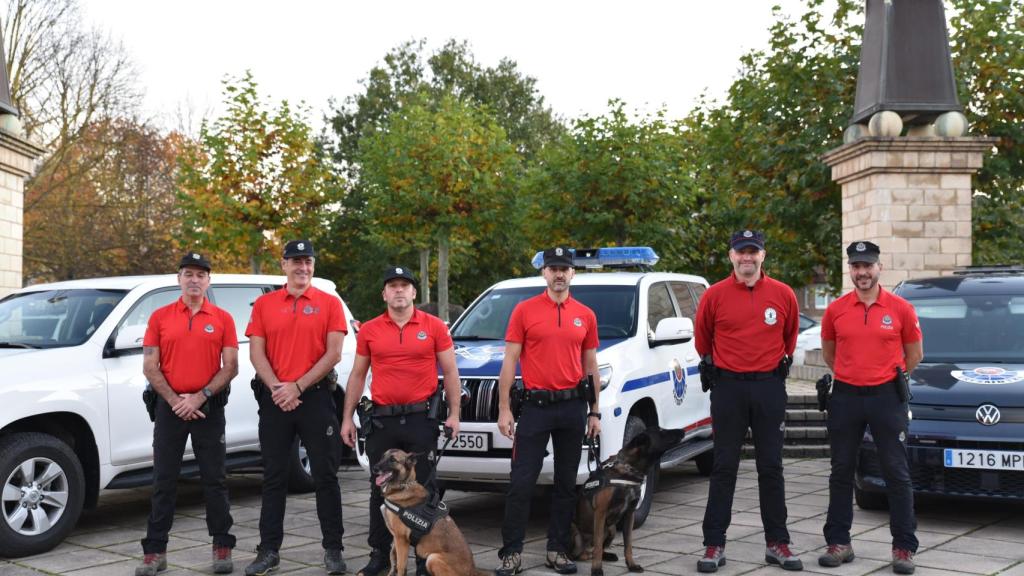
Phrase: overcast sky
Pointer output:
(581, 53)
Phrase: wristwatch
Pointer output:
(207, 392)
(594, 414)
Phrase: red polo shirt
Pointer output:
(295, 328)
(869, 340)
(554, 337)
(747, 329)
(190, 346)
(403, 359)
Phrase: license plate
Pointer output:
(468, 442)
(984, 459)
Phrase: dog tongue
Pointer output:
(382, 478)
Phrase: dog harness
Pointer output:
(419, 518)
(631, 478)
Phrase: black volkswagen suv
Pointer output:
(967, 412)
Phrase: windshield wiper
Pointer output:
(17, 345)
(474, 338)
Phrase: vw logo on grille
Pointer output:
(987, 414)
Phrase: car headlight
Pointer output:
(605, 372)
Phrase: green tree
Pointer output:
(987, 43)
(256, 178)
(444, 178)
(614, 180)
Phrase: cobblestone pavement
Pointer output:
(956, 537)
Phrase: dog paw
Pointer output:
(636, 568)
(596, 572)
(610, 557)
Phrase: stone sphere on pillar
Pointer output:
(11, 124)
(855, 132)
(951, 125)
(885, 123)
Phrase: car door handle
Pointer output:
(691, 358)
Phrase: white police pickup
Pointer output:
(647, 361)
(72, 421)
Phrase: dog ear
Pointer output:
(413, 458)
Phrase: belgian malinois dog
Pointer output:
(444, 547)
(599, 510)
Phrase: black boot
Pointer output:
(380, 563)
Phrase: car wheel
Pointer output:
(870, 500)
(705, 462)
(635, 425)
(300, 475)
(43, 493)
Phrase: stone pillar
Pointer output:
(17, 157)
(912, 197)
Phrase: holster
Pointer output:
(824, 388)
(586, 389)
(149, 397)
(783, 368)
(435, 405)
(515, 400)
(365, 411)
(903, 385)
(708, 372)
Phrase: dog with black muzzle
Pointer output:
(412, 521)
(611, 495)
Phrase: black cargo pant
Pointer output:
(565, 424)
(316, 423)
(737, 404)
(850, 409)
(411, 433)
(169, 436)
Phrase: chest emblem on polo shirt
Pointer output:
(577, 322)
(208, 329)
(421, 335)
(887, 322)
(308, 309)
(770, 316)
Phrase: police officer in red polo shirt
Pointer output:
(748, 324)
(190, 355)
(553, 337)
(404, 347)
(867, 336)
(296, 334)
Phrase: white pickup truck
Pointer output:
(72, 421)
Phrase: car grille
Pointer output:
(968, 482)
(482, 405)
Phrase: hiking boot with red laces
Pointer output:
(222, 560)
(835, 555)
(778, 553)
(902, 561)
(714, 556)
(151, 564)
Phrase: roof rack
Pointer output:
(988, 269)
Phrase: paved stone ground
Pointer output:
(957, 538)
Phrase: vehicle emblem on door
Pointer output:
(988, 415)
(678, 381)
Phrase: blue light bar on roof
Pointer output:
(611, 257)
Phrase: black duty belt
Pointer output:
(748, 375)
(544, 397)
(840, 387)
(399, 409)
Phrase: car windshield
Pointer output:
(983, 328)
(614, 306)
(54, 318)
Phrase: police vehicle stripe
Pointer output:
(653, 379)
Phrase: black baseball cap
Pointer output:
(299, 249)
(558, 256)
(863, 251)
(194, 260)
(744, 238)
(395, 272)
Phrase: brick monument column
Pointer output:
(17, 158)
(911, 196)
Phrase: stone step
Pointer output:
(795, 451)
(798, 416)
(808, 372)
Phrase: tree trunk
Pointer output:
(442, 278)
(424, 275)
(254, 260)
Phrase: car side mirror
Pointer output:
(673, 331)
(130, 337)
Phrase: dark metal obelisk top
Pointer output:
(6, 106)
(905, 65)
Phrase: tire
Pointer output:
(300, 477)
(635, 425)
(43, 493)
(870, 500)
(705, 462)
